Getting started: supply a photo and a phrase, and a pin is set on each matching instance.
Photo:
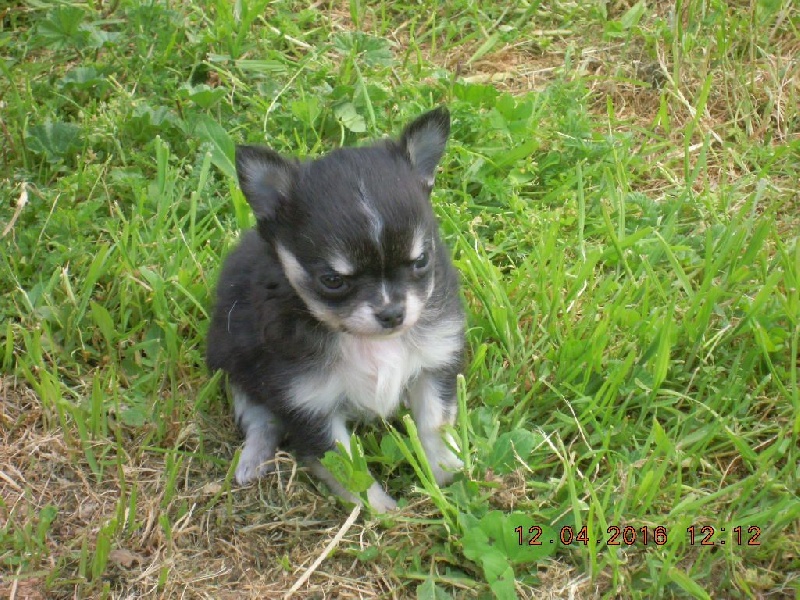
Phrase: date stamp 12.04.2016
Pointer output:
(629, 535)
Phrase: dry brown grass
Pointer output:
(253, 542)
(222, 543)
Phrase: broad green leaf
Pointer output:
(55, 141)
(62, 29)
(203, 95)
(495, 531)
(499, 575)
(104, 322)
(83, 78)
(633, 15)
(518, 442)
(349, 117)
(223, 150)
(370, 50)
(428, 590)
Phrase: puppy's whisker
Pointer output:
(230, 312)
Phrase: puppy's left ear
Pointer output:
(424, 140)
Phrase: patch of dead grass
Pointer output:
(202, 539)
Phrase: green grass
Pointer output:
(621, 196)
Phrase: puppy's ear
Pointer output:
(265, 178)
(423, 142)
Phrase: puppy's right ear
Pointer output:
(265, 178)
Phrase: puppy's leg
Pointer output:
(262, 430)
(432, 398)
(379, 500)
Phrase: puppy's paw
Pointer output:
(444, 467)
(379, 500)
(255, 461)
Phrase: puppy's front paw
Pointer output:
(254, 462)
(379, 500)
(444, 467)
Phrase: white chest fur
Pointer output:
(376, 371)
(369, 376)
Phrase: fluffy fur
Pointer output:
(342, 304)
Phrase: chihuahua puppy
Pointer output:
(341, 304)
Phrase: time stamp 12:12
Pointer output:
(705, 535)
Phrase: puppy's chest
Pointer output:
(363, 378)
(375, 373)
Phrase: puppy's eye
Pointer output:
(422, 262)
(333, 283)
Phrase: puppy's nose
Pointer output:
(391, 316)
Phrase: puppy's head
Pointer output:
(354, 230)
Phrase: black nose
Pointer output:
(391, 316)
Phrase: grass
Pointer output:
(621, 196)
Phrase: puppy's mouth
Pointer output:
(377, 333)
